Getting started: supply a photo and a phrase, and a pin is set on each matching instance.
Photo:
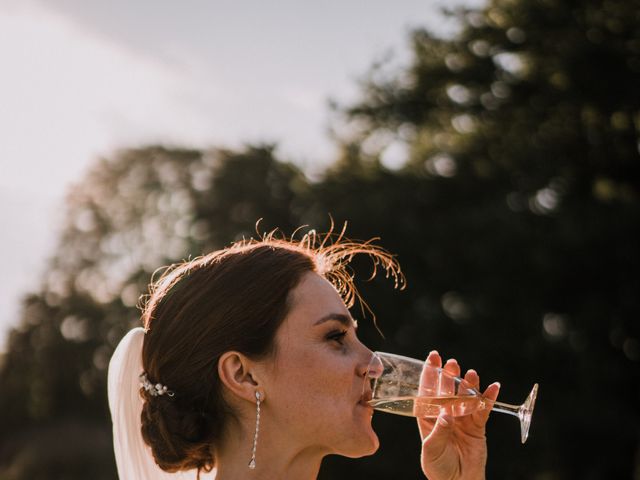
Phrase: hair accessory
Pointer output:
(154, 390)
(252, 463)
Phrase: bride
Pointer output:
(249, 366)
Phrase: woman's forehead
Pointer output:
(315, 297)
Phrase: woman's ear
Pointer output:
(234, 369)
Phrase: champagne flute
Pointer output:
(410, 387)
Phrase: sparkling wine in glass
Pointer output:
(410, 387)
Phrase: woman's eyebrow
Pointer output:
(346, 320)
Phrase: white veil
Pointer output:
(133, 457)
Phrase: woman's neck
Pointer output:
(275, 459)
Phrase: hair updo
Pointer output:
(230, 299)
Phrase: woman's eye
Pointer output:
(337, 336)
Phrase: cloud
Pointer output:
(68, 95)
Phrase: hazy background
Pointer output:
(497, 155)
(82, 78)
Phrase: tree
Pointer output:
(133, 213)
(519, 213)
(501, 166)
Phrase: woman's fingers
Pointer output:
(434, 359)
(451, 369)
(490, 395)
(492, 391)
(429, 387)
(471, 381)
(438, 380)
(429, 376)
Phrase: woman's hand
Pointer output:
(454, 448)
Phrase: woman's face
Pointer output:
(315, 382)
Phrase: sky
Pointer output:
(81, 78)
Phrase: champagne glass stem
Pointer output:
(506, 408)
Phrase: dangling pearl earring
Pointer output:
(252, 463)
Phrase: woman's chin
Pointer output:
(374, 444)
(368, 444)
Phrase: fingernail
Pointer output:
(497, 384)
(433, 352)
(452, 360)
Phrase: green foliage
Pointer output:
(518, 215)
(131, 215)
(502, 166)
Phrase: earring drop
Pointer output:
(252, 463)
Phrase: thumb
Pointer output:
(438, 440)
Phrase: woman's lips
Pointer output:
(364, 399)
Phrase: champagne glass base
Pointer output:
(525, 411)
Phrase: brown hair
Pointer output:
(231, 299)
